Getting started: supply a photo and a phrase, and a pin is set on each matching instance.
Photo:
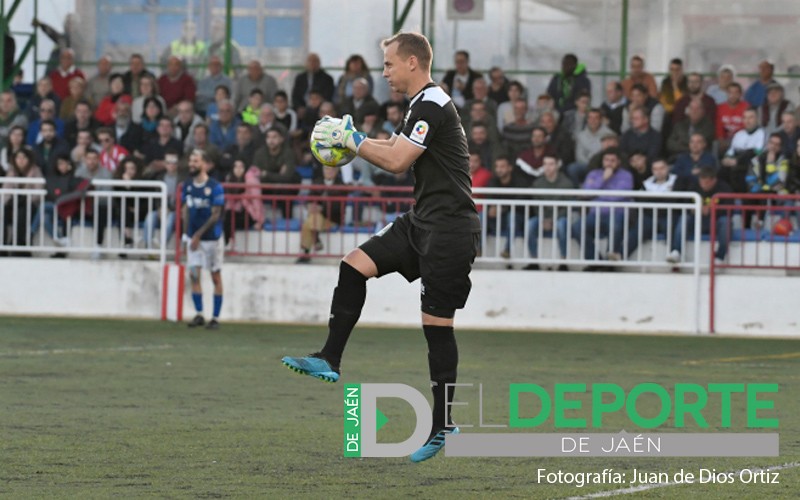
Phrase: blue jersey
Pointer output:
(199, 200)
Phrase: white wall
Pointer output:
(620, 302)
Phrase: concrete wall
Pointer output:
(619, 302)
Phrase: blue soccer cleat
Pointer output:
(313, 365)
(433, 446)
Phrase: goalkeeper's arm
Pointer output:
(392, 155)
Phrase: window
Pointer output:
(283, 32)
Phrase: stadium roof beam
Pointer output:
(428, 10)
(5, 22)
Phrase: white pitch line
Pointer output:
(646, 487)
(48, 352)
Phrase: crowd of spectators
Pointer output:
(682, 134)
(646, 135)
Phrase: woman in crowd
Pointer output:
(16, 141)
(125, 210)
(505, 111)
(153, 111)
(104, 112)
(221, 93)
(148, 87)
(322, 215)
(355, 68)
(16, 208)
(244, 208)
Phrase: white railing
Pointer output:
(106, 221)
(626, 234)
(622, 232)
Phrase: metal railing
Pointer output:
(638, 228)
(627, 224)
(768, 222)
(105, 219)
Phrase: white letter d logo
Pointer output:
(369, 396)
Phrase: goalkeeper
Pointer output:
(436, 241)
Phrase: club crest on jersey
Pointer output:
(419, 132)
(207, 191)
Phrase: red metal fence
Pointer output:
(765, 225)
(263, 216)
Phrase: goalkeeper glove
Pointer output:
(338, 134)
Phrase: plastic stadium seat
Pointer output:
(283, 225)
(305, 171)
(358, 229)
(750, 235)
(792, 238)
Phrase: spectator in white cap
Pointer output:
(719, 91)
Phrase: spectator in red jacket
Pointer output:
(730, 116)
(479, 174)
(104, 112)
(65, 72)
(176, 85)
(111, 154)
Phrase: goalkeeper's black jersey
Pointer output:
(442, 188)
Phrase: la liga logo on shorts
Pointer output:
(420, 131)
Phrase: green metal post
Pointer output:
(623, 49)
(424, 24)
(394, 17)
(35, 43)
(431, 22)
(9, 79)
(3, 28)
(398, 23)
(228, 34)
(13, 9)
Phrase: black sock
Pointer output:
(443, 365)
(348, 300)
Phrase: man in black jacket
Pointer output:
(313, 78)
(82, 120)
(50, 148)
(458, 82)
(707, 185)
(128, 134)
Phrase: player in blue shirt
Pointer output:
(203, 201)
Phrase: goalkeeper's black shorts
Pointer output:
(442, 259)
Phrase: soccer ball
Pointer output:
(331, 157)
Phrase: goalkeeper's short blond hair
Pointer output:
(412, 44)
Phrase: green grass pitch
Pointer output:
(136, 409)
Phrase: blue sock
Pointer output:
(198, 302)
(217, 305)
